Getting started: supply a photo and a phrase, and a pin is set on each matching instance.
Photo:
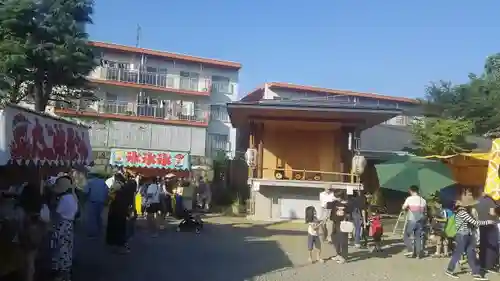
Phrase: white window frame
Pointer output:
(219, 138)
(221, 80)
(218, 112)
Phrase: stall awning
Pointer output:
(479, 156)
(134, 158)
(28, 137)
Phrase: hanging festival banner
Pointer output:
(28, 137)
(149, 159)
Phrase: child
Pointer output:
(313, 239)
(375, 229)
(438, 233)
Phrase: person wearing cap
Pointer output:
(64, 209)
(465, 238)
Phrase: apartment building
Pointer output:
(158, 101)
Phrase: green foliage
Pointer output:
(478, 100)
(436, 136)
(492, 67)
(44, 47)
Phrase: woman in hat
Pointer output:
(465, 238)
(64, 209)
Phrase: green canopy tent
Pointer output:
(400, 172)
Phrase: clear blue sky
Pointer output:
(385, 46)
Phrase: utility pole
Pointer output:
(138, 36)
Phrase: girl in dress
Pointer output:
(313, 240)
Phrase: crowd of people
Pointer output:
(130, 196)
(341, 216)
(49, 217)
(467, 228)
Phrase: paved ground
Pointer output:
(233, 249)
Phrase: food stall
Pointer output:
(33, 146)
(150, 163)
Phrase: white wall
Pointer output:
(174, 69)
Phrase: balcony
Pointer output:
(152, 80)
(174, 113)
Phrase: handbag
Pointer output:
(346, 227)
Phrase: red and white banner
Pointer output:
(32, 138)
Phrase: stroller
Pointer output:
(190, 223)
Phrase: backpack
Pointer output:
(450, 228)
(376, 226)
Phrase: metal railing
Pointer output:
(161, 80)
(303, 174)
(172, 112)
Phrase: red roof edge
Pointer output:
(130, 49)
(258, 93)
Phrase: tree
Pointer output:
(492, 67)
(437, 136)
(478, 101)
(52, 55)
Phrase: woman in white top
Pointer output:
(64, 209)
(153, 206)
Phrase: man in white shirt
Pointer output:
(324, 198)
(416, 208)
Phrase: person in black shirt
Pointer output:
(358, 215)
(488, 234)
(340, 212)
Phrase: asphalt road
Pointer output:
(233, 249)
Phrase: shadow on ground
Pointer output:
(230, 252)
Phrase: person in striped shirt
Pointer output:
(465, 238)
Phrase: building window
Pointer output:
(218, 142)
(189, 81)
(221, 84)
(111, 97)
(219, 113)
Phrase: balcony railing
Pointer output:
(173, 112)
(161, 80)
